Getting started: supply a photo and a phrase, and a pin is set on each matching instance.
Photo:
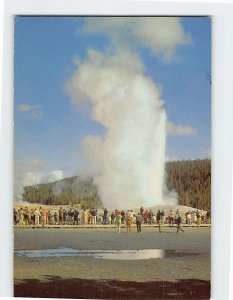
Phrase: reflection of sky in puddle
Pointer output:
(103, 254)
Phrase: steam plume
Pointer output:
(128, 160)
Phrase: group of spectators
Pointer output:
(73, 216)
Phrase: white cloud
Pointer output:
(162, 35)
(183, 130)
(172, 158)
(32, 111)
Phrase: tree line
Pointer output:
(69, 191)
(191, 179)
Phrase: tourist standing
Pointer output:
(171, 217)
(194, 217)
(208, 217)
(60, 215)
(21, 216)
(37, 217)
(158, 220)
(113, 217)
(139, 220)
(128, 221)
(118, 219)
(94, 215)
(43, 217)
(145, 217)
(198, 218)
(141, 211)
(76, 213)
(123, 217)
(56, 218)
(105, 217)
(162, 215)
(84, 217)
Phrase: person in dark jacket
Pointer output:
(76, 213)
(178, 222)
(158, 220)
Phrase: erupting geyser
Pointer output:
(128, 161)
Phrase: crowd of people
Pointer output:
(40, 217)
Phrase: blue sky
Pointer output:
(49, 128)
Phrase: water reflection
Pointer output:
(102, 254)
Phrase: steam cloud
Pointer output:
(31, 172)
(128, 161)
(161, 35)
(173, 129)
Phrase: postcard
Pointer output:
(112, 157)
(116, 149)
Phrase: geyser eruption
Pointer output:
(128, 161)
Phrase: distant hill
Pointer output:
(191, 179)
(71, 191)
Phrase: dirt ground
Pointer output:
(183, 273)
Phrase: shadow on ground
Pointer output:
(58, 287)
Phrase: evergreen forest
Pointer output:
(191, 179)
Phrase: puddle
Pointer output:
(101, 254)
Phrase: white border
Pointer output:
(222, 117)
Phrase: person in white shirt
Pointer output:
(37, 217)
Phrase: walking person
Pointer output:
(178, 222)
(176, 215)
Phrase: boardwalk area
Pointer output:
(100, 226)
